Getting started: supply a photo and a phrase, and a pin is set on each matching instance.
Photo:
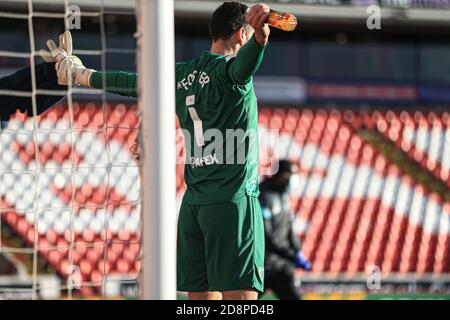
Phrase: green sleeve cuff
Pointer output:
(96, 80)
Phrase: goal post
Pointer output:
(156, 66)
(76, 198)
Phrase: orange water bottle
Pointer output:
(282, 20)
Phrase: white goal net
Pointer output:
(70, 175)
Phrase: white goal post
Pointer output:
(156, 61)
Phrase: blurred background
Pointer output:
(364, 113)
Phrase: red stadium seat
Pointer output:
(355, 202)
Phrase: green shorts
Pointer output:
(221, 246)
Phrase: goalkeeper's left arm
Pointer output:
(122, 83)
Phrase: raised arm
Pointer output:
(122, 83)
(241, 68)
(248, 59)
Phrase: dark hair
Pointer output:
(227, 19)
(285, 166)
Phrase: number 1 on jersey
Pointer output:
(198, 126)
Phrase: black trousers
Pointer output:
(281, 282)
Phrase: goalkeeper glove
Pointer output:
(65, 43)
(69, 68)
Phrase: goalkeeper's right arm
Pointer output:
(122, 83)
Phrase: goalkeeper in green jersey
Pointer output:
(220, 244)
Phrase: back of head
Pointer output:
(227, 19)
(285, 166)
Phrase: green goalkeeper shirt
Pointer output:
(217, 109)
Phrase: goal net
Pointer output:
(70, 176)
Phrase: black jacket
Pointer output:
(46, 79)
(282, 243)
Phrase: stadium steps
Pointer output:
(406, 164)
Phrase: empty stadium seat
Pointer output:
(359, 208)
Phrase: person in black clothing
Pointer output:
(283, 252)
(21, 81)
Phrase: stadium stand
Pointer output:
(375, 216)
(425, 137)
